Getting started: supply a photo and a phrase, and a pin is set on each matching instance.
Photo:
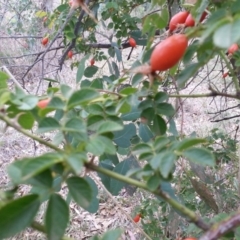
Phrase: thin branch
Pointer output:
(12, 124)
(192, 216)
(13, 78)
(226, 118)
(224, 110)
(235, 79)
(219, 229)
(73, 43)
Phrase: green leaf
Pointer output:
(66, 91)
(159, 125)
(94, 204)
(26, 120)
(201, 156)
(148, 113)
(166, 187)
(80, 191)
(133, 114)
(99, 145)
(167, 164)
(48, 124)
(94, 109)
(118, 53)
(112, 234)
(28, 102)
(111, 51)
(94, 122)
(160, 97)
(122, 168)
(154, 20)
(75, 125)
(122, 138)
(56, 103)
(43, 179)
(34, 166)
(109, 126)
(5, 96)
(172, 127)
(137, 78)
(187, 143)
(17, 215)
(106, 180)
(116, 70)
(165, 109)
(128, 90)
(82, 96)
(81, 68)
(3, 80)
(153, 182)
(111, 158)
(145, 133)
(96, 83)
(90, 71)
(227, 34)
(141, 148)
(76, 161)
(57, 217)
(164, 162)
(161, 142)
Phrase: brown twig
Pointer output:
(219, 229)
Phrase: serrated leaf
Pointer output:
(122, 168)
(115, 69)
(160, 97)
(154, 20)
(26, 120)
(133, 114)
(80, 191)
(187, 143)
(99, 145)
(56, 103)
(57, 217)
(122, 138)
(109, 126)
(81, 68)
(3, 80)
(34, 166)
(227, 34)
(164, 163)
(90, 71)
(141, 148)
(159, 125)
(165, 109)
(94, 204)
(118, 54)
(145, 133)
(28, 102)
(48, 124)
(201, 156)
(75, 125)
(153, 182)
(76, 161)
(17, 215)
(82, 96)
